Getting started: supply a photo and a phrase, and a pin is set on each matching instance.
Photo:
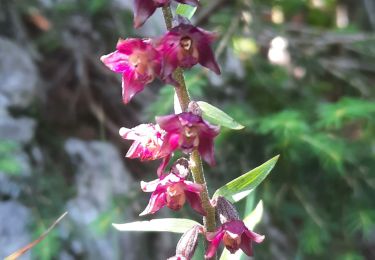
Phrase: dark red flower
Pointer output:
(186, 45)
(187, 131)
(172, 191)
(143, 9)
(235, 235)
(138, 62)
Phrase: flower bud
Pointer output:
(181, 168)
(194, 108)
(188, 244)
(225, 210)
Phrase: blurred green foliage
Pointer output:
(8, 164)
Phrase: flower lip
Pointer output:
(186, 43)
(231, 241)
(176, 197)
(235, 235)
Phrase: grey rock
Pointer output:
(19, 130)
(101, 173)
(14, 219)
(234, 65)
(9, 187)
(100, 177)
(65, 256)
(18, 75)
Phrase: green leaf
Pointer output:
(186, 10)
(175, 225)
(242, 186)
(250, 221)
(218, 117)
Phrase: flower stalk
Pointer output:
(140, 61)
(195, 159)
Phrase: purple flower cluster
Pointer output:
(140, 61)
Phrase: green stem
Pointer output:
(195, 159)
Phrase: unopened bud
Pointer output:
(188, 243)
(225, 210)
(194, 108)
(181, 168)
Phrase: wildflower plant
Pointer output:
(191, 130)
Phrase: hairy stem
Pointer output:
(195, 159)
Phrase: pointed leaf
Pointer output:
(174, 225)
(23, 250)
(218, 117)
(186, 10)
(242, 186)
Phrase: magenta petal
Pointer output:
(116, 61)
(206, 150)
(170, 143)
(190, 118)
(163, 165)
(127, 46)
(246, 245)
(207, 57)
(135, 150)
(168, 46)
(157, 201)
(130, 86)
(143, 9)
(195, 202)
(214, 244)
(254, 236)
(193, 187)
(170, 63)
(168, 123)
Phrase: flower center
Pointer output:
(186, 43)
(176, 197)
(231, 241)
(189, 138)
(139, 61)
